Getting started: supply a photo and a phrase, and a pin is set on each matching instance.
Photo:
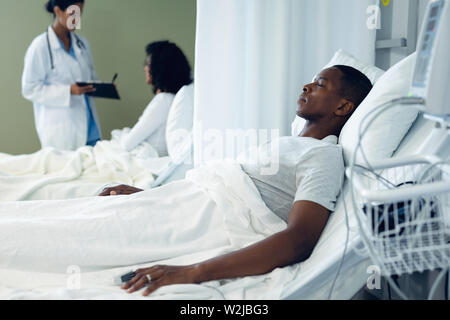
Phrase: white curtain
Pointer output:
(254, 56)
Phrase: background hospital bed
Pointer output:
(54, 175)
(51, 174)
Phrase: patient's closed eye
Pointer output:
(319, 82)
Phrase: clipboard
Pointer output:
(105, 90)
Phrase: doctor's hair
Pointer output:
(169, 67)
(355, 86)
(62, 4)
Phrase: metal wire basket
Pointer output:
(403, 210)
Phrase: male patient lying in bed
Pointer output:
(303, 192)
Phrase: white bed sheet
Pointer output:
(50, 174)
(41, 240)
(311, 279)
(247, 220)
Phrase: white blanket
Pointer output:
(72, 249)
(50, 174)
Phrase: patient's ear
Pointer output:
(346, 108)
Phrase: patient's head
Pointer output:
(166, 67)
(334, 95)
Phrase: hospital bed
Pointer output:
(328, 270)
(339, 268)
(317, 282)
(313, 278)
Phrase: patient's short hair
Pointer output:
(169, 67)
(355, 86)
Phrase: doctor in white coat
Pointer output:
(56, 60)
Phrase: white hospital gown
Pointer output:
(151, 126)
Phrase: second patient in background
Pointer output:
(167, 70)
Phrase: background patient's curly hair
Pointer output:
(169, 67)
(355, 86)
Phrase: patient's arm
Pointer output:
(154, 116)
(292, 245)
(119, 190)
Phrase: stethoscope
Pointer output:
(80, 45)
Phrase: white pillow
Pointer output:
(342, 57)
(180, 121)
(387, 131)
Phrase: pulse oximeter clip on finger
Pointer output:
(119, 280)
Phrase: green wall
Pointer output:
(117, 30)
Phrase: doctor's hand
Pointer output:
(77, 90)
(119, 190)
(161, 276)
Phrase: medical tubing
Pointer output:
(444, 271)
(367, 242)
(215, 289)
(378, 111)
(436, 283)
(355, 206)
(347, 224)
(431, 166)
(345, 206)
(425, 171)
(376, 175)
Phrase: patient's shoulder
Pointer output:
(303, 145)
(160, 104)
(321, 155)
(186, 91)
(163, 97)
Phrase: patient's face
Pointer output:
(321, 98)
(148, 75)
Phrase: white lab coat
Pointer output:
(60, 118)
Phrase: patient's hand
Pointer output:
(161, 276)
(119, 190)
